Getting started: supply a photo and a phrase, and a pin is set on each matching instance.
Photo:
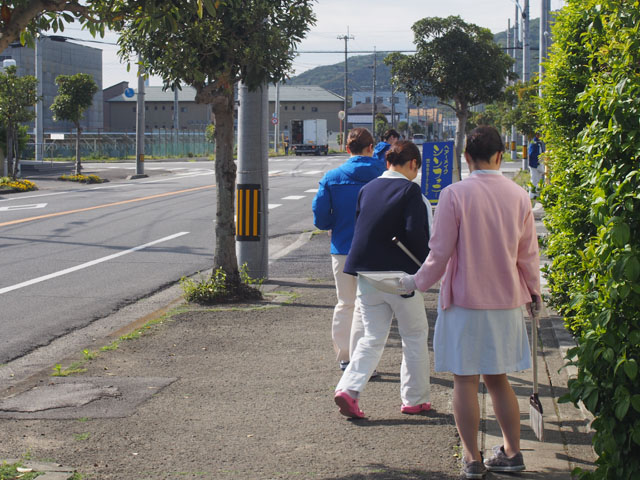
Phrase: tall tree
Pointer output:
(17, 96)
(249, 41)
(458, 62)
(75, 95)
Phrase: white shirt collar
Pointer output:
(393, 174)
(486, 172)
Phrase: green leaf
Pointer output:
(621, 234)
(631, 368)
(622, 406)
(635, 435)
(632, 268)
(635, 402)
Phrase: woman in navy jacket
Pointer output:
(334, 208)
(389, 206)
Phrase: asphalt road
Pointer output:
(71, 254)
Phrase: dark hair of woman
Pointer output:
(358, 140)
(390, 133)
(403, 151)
(483, 142)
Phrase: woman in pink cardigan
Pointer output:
(484, 243)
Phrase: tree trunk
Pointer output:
(78, 164)
(10, 172)
(16, 154)
(225, 251)
(462, 114)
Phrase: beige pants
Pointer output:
(346, 328)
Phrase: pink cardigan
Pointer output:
(484, 242)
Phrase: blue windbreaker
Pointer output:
(334, 206)
(380, 151)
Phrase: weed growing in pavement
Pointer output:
(88, 354)
(457, 451)
(81, 437)
(523, 178)
(11, 471)
(75, 367)
(219, 289)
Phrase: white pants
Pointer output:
(346, 328)
(378, 309)
(537, 174)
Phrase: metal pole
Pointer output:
(176, 109)
(525, 70)
(39, 103)
(276, 111)
(346, 39)
(252, 181)
(140, 122)
(544, 40)
(373, 105)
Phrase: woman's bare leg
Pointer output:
(466, 411)
(505, 406)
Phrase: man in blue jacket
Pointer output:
(389, 138)
(334, 208)
(536, 167)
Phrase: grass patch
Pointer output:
(523, 178)
(74, 368)
(14, 471)
(219, 288)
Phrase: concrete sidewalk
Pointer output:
(246, 392)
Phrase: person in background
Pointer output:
(389, 138)
(389, 206)
(536, 167)
(334, 208)
(484, 242)
(286, 145)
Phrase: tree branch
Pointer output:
(445, 104)
(22, 16)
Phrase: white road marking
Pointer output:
(311, 190)
(312, 172)
(88, 264)
(293, 197)
(274, 205)
(22, 207)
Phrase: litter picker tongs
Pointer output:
(535, 407)
(406, 250)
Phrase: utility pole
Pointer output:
(346, 39)
(140, 123)
(176, 109)
(526, 70)
(39, 104)
(276, 111)
(252, 203)
(373, 105)
(544, 39)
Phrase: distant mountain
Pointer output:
(331, 77)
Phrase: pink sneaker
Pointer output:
(348, 405)
(413, 409)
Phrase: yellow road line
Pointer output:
(133, 200)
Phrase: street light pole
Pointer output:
(346, 39)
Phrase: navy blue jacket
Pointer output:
(536, 147)
(388, 207)
(334, 206)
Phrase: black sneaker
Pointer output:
(343, 365)
(499, 462)
(474, 469)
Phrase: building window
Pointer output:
(163, 107)
(155, 107)
(367, 100)
(183, 109)
(293, 107)
(314, 109)
(302, 107)
(146, 107)
(133, 109)
(286, 107)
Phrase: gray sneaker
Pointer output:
(474, 469)
(499, 462)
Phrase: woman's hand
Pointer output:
(534, 307)
(407, 284)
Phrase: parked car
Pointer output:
(419, 138)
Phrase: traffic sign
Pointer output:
(129, 92)
(274, 120)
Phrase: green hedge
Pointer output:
(591, 111)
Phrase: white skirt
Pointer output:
(485, 342)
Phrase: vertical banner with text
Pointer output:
(437, 168)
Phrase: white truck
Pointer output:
(309, 137)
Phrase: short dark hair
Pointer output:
(359, 139)
(483, 142)
(403, 151)
(390, 133)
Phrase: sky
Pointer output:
(382, 25)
